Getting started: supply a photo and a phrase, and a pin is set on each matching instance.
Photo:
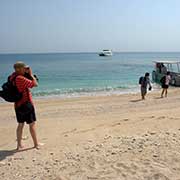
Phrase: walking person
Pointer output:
(165, 84)
(24, 108)
(144, 83)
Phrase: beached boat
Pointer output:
(106, 52)
(162, 67)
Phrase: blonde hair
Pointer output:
(19, 64)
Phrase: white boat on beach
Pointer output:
(162, 67)
(106, 52)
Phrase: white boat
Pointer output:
(161, 69)
(106, 52)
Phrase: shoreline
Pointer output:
(92, 94)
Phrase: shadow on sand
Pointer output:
(6, 153)
(136, 100)
(158, 98)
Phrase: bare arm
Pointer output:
(34, 79)
(149, 83)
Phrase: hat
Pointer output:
(19, 64)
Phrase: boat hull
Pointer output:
(175, 78)
(105, 54)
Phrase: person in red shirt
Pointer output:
(24, 109)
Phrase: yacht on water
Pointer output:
(106, 52)
(161, 69)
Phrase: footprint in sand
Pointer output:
(116, 124)
(86, 130)
(158, 176)
(161, 117)
(53, 177)
(120, 166)
(68, 132)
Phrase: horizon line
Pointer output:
(76, 52)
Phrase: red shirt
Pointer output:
(23, 84)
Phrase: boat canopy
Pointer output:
(172, 66)
(167, 62)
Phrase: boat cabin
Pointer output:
(161, 69)
(106, 52)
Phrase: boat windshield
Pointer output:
(173, 68)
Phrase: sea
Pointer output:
(67, 75)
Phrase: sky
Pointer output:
(33, 26)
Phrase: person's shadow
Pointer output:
(136, 100)
(158, 98)
(6, 153)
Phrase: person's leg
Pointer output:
(142, 93)
(19, 132)
(162, 94)
(142, 96)
(166, 92)
(145, 92)
(145, 96)
(32, 129)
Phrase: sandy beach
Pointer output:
(103, 138)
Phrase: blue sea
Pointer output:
(78, 74)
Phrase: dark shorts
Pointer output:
(164, 86)
(26, 113)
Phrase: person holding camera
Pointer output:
(24, 108)
(144, 83)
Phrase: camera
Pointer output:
(28, 76)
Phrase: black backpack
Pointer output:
(141, 79)
(10, 92)
(163, 80)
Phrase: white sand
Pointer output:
(107, 138)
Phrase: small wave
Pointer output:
(76, 92)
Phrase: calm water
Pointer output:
(74, 74)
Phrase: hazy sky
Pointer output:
(89, 25)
